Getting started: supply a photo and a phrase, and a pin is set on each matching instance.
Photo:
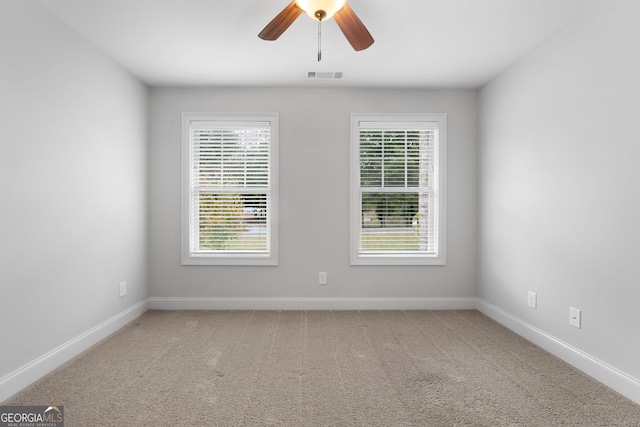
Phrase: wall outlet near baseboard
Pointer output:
(532, 300)
(575, 317)
(123, 289)
(322, 278)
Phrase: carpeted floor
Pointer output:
(323, 368)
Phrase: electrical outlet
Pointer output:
(532, 300)
(123, 289)
(575, 317)
(322, 278)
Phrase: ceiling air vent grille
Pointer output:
(324, 75)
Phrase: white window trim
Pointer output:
(355, 215)
(271, 257)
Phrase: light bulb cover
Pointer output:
(329, 6)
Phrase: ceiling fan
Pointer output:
(320, 10)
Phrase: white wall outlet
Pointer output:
(574, 317)
(123, 289)
(322, 278)
(532, 300)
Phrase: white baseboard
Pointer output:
(619, 381)
(31, 372)
(290, 303)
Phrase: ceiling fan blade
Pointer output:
(353, 28)
(280, 23)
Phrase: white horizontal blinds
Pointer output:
(398, 173)
(230, 183)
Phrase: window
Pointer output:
(229, 189)
(398, 189)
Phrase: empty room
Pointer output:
(319, 213)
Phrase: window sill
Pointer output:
(390, 260)
(235, 260)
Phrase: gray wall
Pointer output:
(314, 195)
(559, 208)
(72, 184)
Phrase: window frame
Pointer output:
(189, 257)
(398, 258)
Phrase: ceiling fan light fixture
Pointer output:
(349, 23)
(321, 9)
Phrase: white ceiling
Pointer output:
(419, 43)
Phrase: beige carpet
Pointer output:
(323, 368)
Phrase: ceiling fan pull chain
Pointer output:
(319, 39)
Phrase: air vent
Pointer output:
(324, 75)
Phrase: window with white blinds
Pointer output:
(397, 190)
(229, 189)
